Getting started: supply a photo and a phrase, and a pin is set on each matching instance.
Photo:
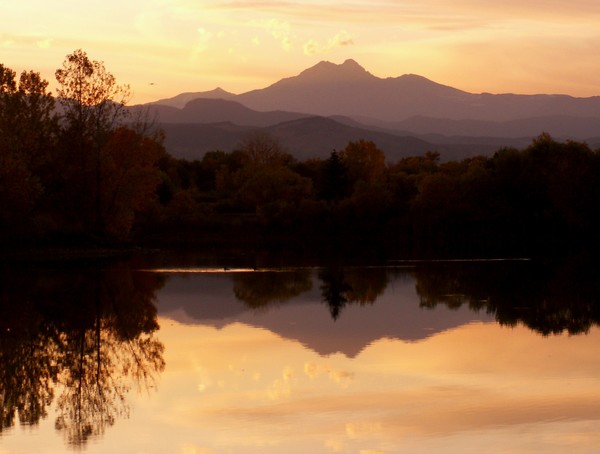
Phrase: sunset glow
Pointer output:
(247, 388)
(394, 375)
(165, 47)
(244, 389)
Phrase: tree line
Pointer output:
(526, 201)
(76, 169)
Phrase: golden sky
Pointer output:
(165, 47)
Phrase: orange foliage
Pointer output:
(129, 176)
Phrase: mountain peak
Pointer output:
(326, 71)
(352, 64)
(182, 99)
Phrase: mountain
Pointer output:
(313, 137)
(192, 141)
(214, 110)
(316, 137)
(326, 106)
(348, 89)
(205, 125)
(557, 125)
(182, 99)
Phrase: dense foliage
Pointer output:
(72, 169)
(77, 170)
(514, 202)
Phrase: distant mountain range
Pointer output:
(328, 105)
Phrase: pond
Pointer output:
(141, 356)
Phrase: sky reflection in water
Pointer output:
(278, 374)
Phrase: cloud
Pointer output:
(279, 30)
(7, 42)
(342, 377)
(202, 40)
(311, 47)
(286, 44)
(44, 43)
(341, 39)
(18, 40)
(204, 36)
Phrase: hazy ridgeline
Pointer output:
(77, 171)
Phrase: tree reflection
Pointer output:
(548, 299)
(334, 289)
(84, 334)
(261, 289)
(341, 286)
(27, 368)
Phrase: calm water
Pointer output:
(143, 357)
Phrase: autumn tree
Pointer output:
(92, 106)
(265, 180)
(368, 203)
(363, 161)
(262, 149)
(27, 135)
(109, 171)
(129, 176)
(93, 102)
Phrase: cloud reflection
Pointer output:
(393, 394)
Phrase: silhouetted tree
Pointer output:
(93, 105)
(334, 181)
(108, 171)
(28, 131)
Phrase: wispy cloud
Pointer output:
(203, 39)
(279, 29)
(44, 43)
(341, 39)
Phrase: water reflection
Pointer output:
(546, 299)
(81, 337)
(270, 288)
(341, 286)
(366, 355)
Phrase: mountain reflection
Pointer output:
(79, 337)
